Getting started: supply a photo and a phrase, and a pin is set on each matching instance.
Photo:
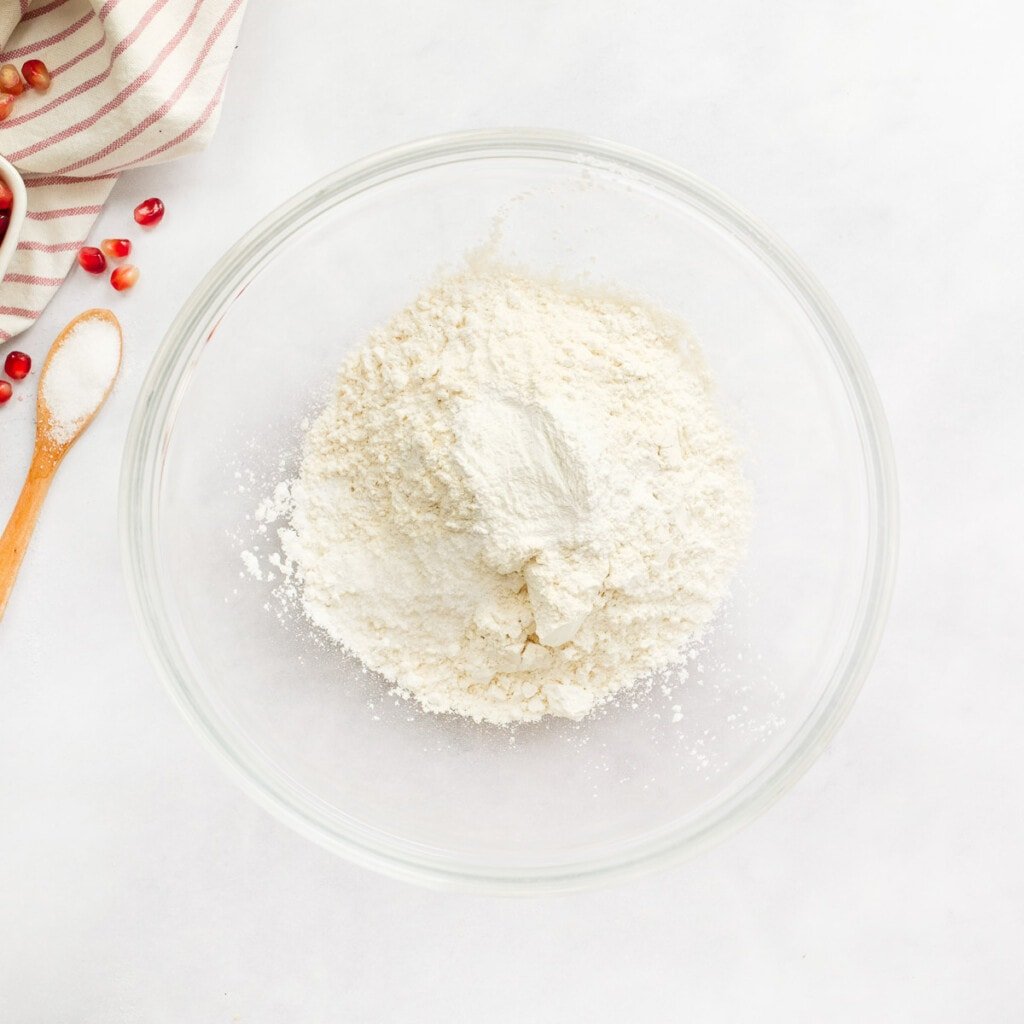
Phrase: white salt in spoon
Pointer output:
(76, 378)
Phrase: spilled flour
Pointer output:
(520, 499)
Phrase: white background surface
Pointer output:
(883, 142)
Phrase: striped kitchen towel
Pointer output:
(133, 82)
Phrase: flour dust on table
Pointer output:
(520, 500)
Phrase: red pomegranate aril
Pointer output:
(6, 196)
(5, 391)
(124, 276)
(10, 80)
(6, 105)
(116, 248)
(5, 222)
(91, 259)
(37, 74)
(17, 365)
(149, 212)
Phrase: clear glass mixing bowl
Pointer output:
(316, 739)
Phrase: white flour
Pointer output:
(80, 374)
(520, 501)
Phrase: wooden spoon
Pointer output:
(48, 454)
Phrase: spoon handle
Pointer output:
(15, 539)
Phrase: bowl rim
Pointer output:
(179, 352)
(8, 247)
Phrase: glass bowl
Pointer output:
(660, 774)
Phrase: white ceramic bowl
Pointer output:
(18, 207)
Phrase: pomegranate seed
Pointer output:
(5, 391)
(36, 74)
(6, 196)
(10, 80)
(17, 365)
(149, 212)
(5, 222)
(91, 259)
(6, 105)
(124, 276)
(116, 248)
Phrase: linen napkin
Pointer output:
(134, 82)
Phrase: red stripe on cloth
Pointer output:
(105, 10)
(29, 314)
(67, 211)
(127, 41)
(191, 130)
(155, 116)
(34, 279)
(77, 59)
(45, 9)
(91, 83)
(56, 179)
(113, 104)
(34, 48)
(51, 246)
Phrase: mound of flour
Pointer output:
(520, 500)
